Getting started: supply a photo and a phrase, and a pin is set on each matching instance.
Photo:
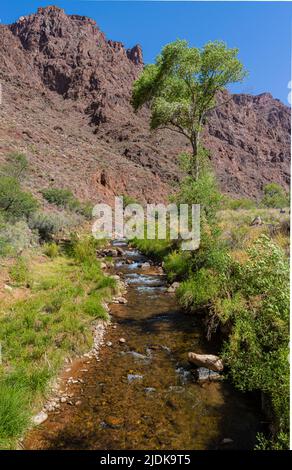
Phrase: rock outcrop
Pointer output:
(66, 94)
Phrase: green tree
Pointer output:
(15, 166)
(182, 88)
(274, 196)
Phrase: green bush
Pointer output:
(235, 204)
(59, 197)
(203, 191)
(14, 202)
(48, 224)
(19, 272)
(16, 237)
(257, 350)
(177, 265)
(15, 166)
(199, 290)
(65, 199)
(52, 250)
(274, 196)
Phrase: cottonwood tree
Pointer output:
(181, 88)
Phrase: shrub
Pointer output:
(14, 202)
(203, 191)
(177, 265)
(51, 250)
(64, 198)
(15, 166)
(274, 196)
(19, 271)
(235, 204)
(199, 290)
(16, 237)
(59, 197)
(84, 250)
(50, 223)
(257, 350)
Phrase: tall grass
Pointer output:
(51, 322)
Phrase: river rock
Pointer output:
(208, 361)
(203, 375)
(173, 287)
(120, 251)
(122, 340)
(145, 265)
(40, 418)
(257, 221)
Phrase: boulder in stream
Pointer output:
(40, 418)
(173, 287)
(206, 375)
(208, 361)
(145, 265)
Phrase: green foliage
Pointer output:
(235, 204)
(274, 196)
(15, 167)
(258, 305)
(59, 197)
(19, 272)
(177, 265)
(84, 249)
(40, 330)
(14, 202)
(15, 237)
(92, 306)
(65, 199)
(52, 250)
(48, 224)
(156, 249)
(203, 191)
(198, 291)
(181, 87)
(128, 200)
(14, 414)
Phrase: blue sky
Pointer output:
(261, 31)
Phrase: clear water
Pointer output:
(142, 394)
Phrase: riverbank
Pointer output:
(142, 394)
(239, 281)
(53, 310)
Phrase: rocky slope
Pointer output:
(66, 103)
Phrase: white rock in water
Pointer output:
(206, 360)
(122, 340)
(145, 265)
(40, 418)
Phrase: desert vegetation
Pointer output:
(52, 295)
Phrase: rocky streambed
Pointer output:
(140, 391)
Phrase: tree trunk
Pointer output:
(194, 170)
